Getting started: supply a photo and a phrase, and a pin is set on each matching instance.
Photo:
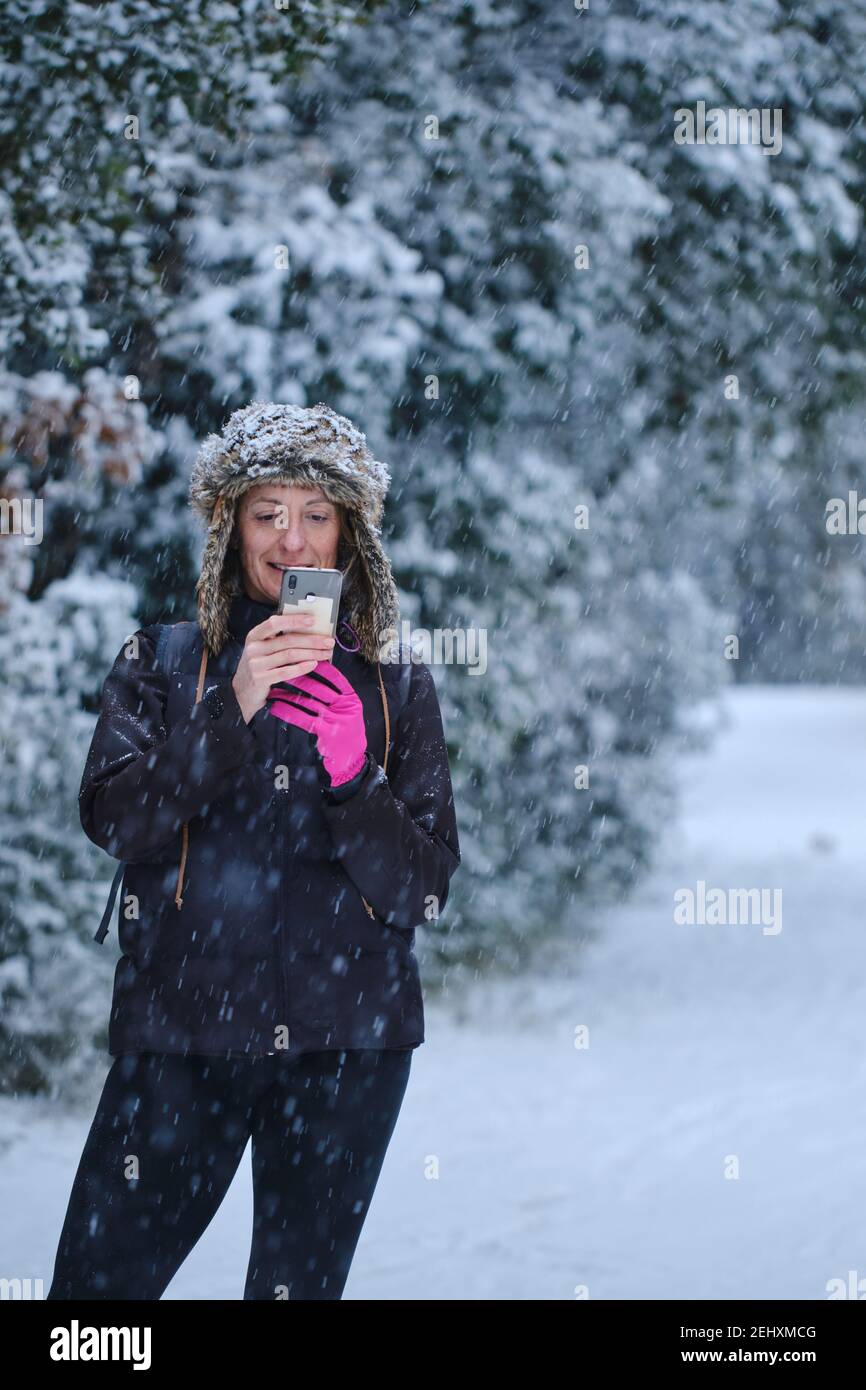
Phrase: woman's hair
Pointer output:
(353, 599)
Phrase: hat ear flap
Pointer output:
(373, 602)
(213, 589)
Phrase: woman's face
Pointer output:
(279, 525)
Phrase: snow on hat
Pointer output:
(313, 447)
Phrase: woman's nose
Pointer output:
(291, 540)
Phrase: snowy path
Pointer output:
(605, 1167)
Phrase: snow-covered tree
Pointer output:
(109, 112)
(55, 985)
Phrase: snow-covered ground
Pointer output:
(608, 1166)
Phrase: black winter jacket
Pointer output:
(272, 948)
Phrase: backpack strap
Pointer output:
(387, 716)
(403, 695)
(173, 640)
(184, 834)
(165, 631)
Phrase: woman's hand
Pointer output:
(334, 717)
(276, 650)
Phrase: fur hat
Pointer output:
(314, 447)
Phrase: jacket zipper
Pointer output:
(282, 797)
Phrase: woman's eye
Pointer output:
(311, 516)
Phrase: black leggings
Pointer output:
(166, 1141)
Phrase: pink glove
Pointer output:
(337, 722)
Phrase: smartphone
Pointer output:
(306, 589)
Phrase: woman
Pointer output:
(283, 808)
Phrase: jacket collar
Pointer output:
(246, 613)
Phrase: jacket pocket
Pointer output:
(386, 931)
(147, 890)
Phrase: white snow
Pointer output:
(605, 1167)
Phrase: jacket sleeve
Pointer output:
(140, 785)
(396, 835)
